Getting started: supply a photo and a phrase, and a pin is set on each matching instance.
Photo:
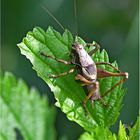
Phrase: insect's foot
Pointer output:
(52, 76)
(85, 108)
(92, 104)
(42, 53)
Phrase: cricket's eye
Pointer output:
(74, 46)
(80, 46)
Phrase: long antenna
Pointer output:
(75, 15)
(48, 11)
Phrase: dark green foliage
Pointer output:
(26, 115)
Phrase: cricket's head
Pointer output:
(77, 47)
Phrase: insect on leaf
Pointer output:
(68, 92)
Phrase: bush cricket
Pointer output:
(88, 72)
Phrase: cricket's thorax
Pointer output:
(88, 66)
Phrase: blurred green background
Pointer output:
(113, 24)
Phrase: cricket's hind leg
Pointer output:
(93, 92)
(93, 88)
(103, 74)
(83, 80)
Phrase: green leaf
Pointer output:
(134, 132)
(68, 92)
(24, 112)
(99, 133)
(86, 136)
(122, 133)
